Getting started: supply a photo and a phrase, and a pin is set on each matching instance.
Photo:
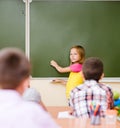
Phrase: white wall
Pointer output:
(54, 94)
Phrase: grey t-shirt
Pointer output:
(31, 94)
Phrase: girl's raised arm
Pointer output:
(59, 68)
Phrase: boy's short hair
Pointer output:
(92, 68)
(14, 68)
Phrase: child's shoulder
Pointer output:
(76, 67)
(79, 87)
(76, 64)
(104, 85)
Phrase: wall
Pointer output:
(54, 94)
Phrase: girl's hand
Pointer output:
(71, 112)
(53, 63)
(59, 68)
(59, 81)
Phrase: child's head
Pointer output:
(14, 68)
(92, 69)
(77, 54)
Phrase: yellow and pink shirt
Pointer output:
(75, 78)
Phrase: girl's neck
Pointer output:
(77, 62)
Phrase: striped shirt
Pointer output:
(91, 91)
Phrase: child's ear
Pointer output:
(82, 75)
(102, 76)
(23, 86)
(26, 83)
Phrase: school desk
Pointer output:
(76, 122)
(54, 110)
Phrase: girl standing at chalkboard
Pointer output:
(77, 57)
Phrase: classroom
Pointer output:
(55, 26)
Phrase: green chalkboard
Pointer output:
(56, 26)
(12, 24)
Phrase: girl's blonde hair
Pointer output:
(81, 52)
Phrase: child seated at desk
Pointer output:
(14, 79)
(91, 90)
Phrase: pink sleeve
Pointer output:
(76, 67)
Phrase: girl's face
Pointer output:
(74, 55)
